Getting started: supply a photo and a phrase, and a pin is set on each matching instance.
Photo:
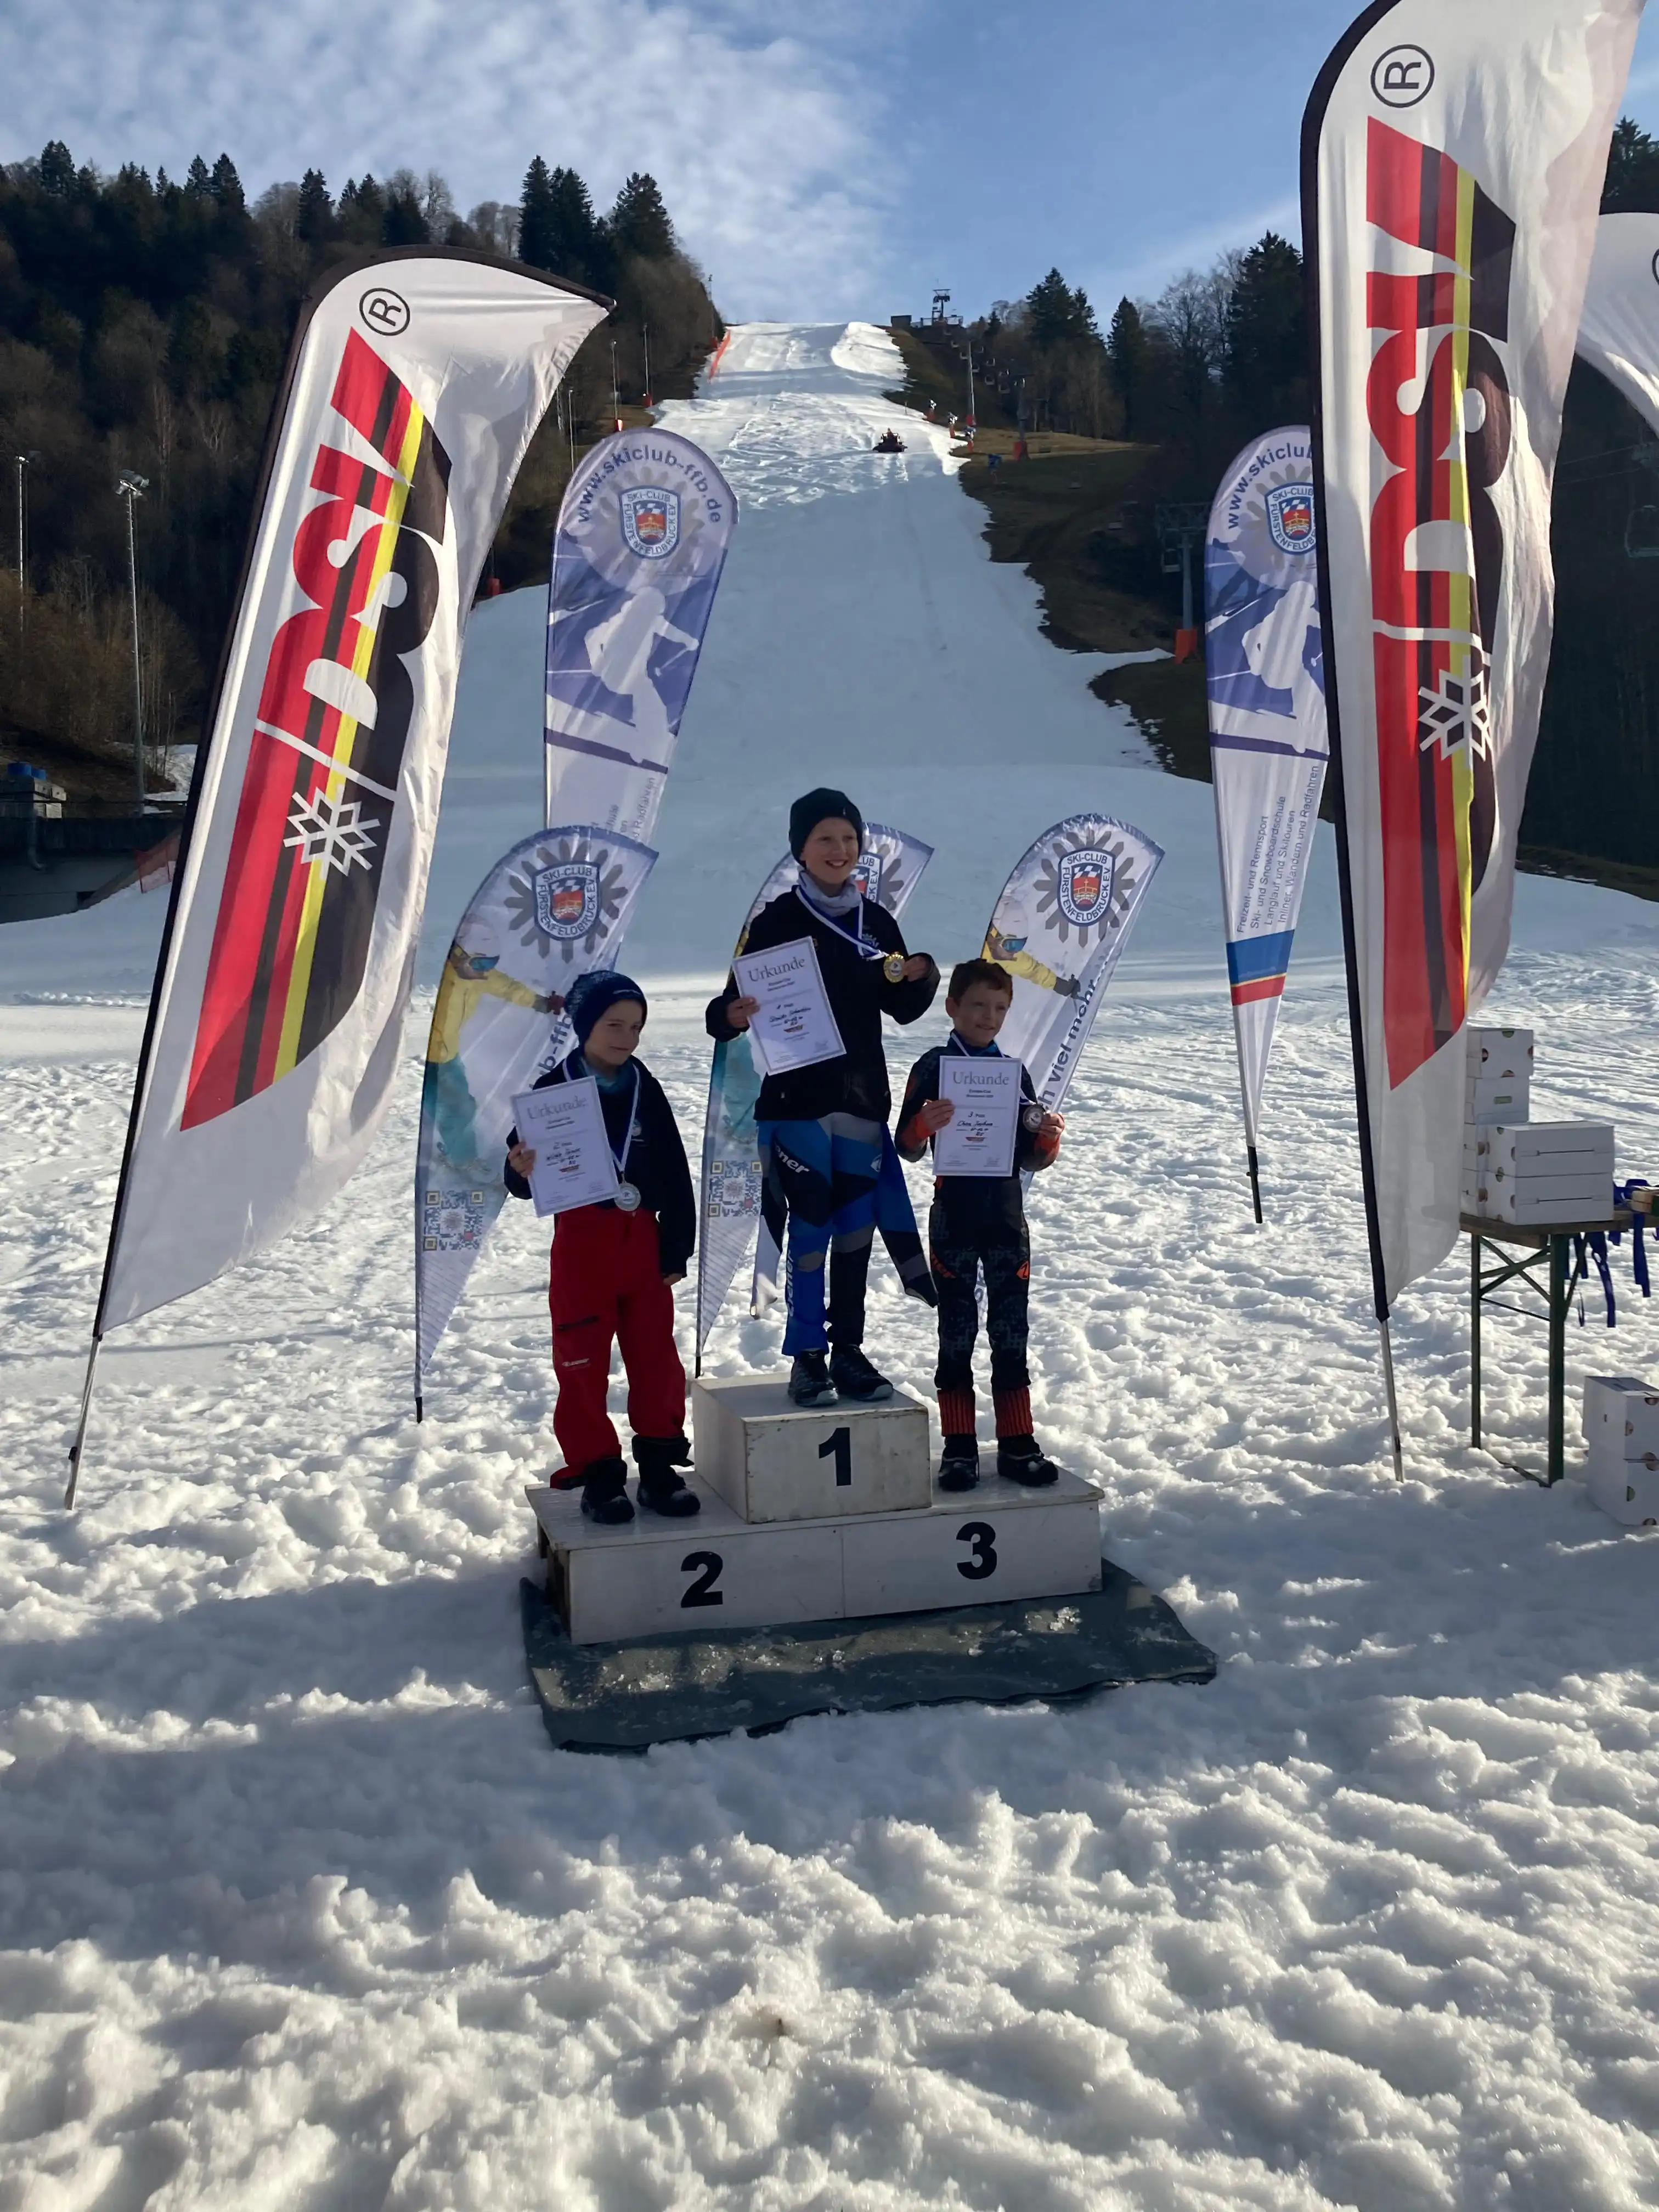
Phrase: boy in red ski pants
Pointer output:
(614, 1266)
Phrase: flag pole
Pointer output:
(1312, 121)
(1256, 1181)
(80, 1425)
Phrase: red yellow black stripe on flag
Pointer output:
(1434, 590)
(296, 916)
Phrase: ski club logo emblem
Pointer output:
(867, 874)
(1291, 517)
(567, 899)
(651, 522)
(1085, 886)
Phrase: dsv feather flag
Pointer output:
(556, 905)
(642, 534)
(889, 867)
(413, 387)
(1264, 674)
(1452, 163)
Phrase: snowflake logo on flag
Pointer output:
(333, 831)
(1455, 715)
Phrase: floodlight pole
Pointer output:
(645, 331)
(130, 488)
(616, 403)
(23, 461)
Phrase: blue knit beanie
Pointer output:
(593, 994)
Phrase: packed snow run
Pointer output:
(298, 1908)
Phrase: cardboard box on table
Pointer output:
(1539, 1172)
(1499, 1056)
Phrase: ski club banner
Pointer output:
(1452, 165)
(1059, 928)
(637, 556)
(889, 867)
(1619, 329)
(412, 390)
(554, 906)
(1264, 667)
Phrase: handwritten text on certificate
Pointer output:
(794, 1027)
(564, 1126)
(979, 1139)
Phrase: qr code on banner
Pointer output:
(454, 1221)
(734, 1188)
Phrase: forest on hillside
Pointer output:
(144, 327)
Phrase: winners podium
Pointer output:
(824, 1573)
(825, 1514)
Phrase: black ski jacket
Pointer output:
(858, 994)
(974, 1208)
(656, 1161)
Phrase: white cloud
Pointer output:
(1159, 264)
(759, 122)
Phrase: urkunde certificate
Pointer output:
(794, 1027)
(565, 1127)
(979, 1140)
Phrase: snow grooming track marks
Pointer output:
(297, 1907)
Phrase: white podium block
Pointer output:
(652, 1577)
(975, 1548)
(771, 1461)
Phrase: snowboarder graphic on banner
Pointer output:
(472, 971)
(619, 651)
(1005, 943)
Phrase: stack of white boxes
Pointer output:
(1520, 1171)
(1621, 1427)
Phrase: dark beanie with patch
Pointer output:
(595, 994)
(823, 804)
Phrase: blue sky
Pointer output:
(822, 157)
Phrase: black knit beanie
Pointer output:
(594, 994)
(823, 804)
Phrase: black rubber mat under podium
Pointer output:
(667, 1689)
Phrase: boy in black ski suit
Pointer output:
(977, 1225)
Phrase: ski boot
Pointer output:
(662, 1487)
(809, 1380)
(855, 1378)
(958, 1464)
(1020, 1458)
(604, 1492)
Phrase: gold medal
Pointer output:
(893, 967)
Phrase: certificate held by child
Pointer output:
(793, 1024)
(987, 1100)
(565, 1127)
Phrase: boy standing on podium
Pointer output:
(977, 1225)
(825, 1151)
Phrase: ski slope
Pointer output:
(297, 1907)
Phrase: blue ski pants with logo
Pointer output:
(824, 1174)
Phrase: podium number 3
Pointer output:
(706, 1565)
(982, 1537)
(841, 1445)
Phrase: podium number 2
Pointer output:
(706, 1565)
(840, 1444)
(982, 1538)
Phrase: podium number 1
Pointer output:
(840, 1444)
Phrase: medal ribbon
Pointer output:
(856, 940)
(621, 1158)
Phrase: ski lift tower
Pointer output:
(941, 301)
(1181, 524)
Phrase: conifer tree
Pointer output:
(639, 221)
(1129, 352)
(1267, 334)
(538, 222)
(314, 221)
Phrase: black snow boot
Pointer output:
(855, 1378)
(958, 1463)
(809, 1380)
(604, 1492)
(1020, 1460)
(662, 1487)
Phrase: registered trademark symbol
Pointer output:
(1402, 76)
(384, 311)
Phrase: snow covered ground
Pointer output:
(297, 1907)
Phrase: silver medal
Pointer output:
(627, 1198)
(1032, 1118)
